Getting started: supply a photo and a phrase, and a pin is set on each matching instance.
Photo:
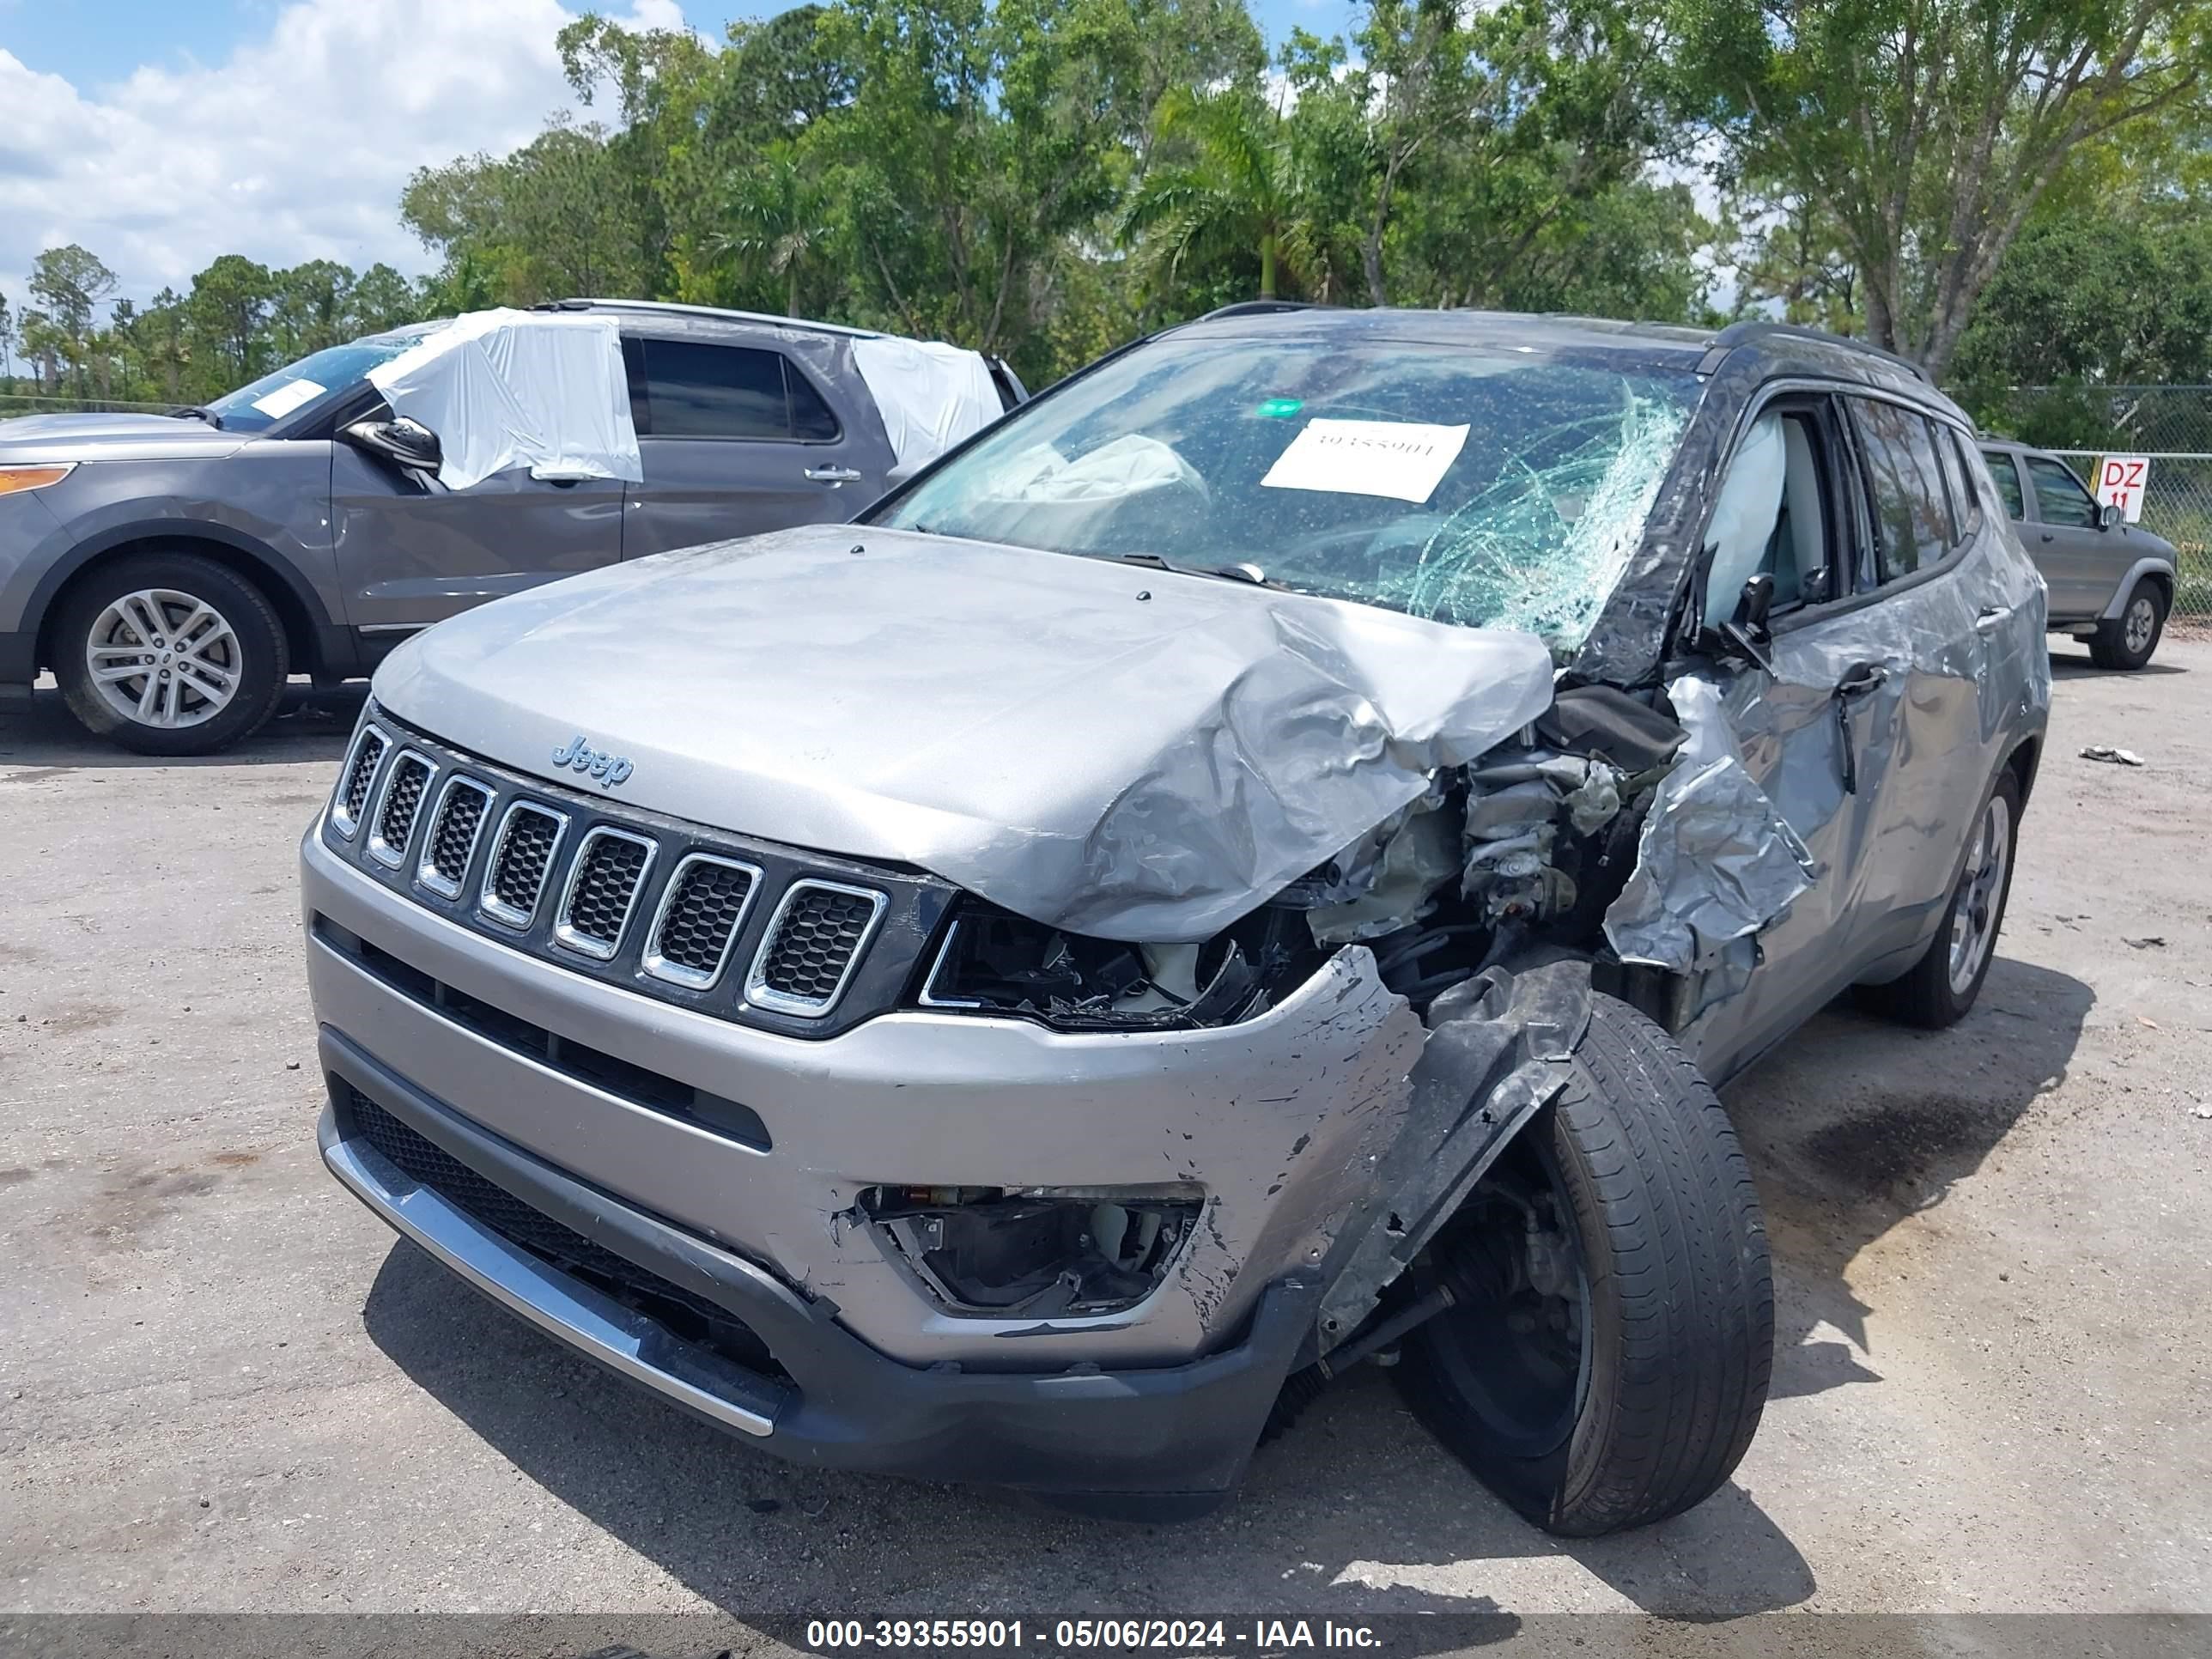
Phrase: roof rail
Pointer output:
(1263, 307)
(1743, 333)
(724, 313)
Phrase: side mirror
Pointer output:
(403, 442)
(2109, 516)
(1747, 630)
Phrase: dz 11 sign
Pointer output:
(2120, 482)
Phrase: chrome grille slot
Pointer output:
(813, 943)
(359, 772)
(455, 828)
(405, 785)
(602, 891)
(521, 858)
(699, 919)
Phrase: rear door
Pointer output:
(736, 440)
(410, 552)
(2082, 563)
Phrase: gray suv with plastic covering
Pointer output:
(173, 570)
(1254, 864)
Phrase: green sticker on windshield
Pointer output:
(1281, 408)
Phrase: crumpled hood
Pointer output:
(1102, 747)
(95, 437)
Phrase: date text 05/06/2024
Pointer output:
(1255, 1636)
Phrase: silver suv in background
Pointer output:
(1254, 864)
(2112, 582)
(172, 570)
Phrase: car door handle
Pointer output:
(2048, 536)
(833, 475)
(1992, 618)
(1867, 677)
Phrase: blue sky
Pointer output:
(160, 133)
(93, 43)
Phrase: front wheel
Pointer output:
(169, 653)
(1607, 1357)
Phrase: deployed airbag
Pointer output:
(505, 388)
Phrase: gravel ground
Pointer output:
(224, 1386)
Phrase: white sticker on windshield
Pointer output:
(287, 397)
(1404, 459)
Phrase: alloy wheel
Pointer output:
(2142, 621)
(1981, 891)
(164, 658)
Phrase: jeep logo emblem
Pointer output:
(580, 756)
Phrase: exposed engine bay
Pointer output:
(1526, 847)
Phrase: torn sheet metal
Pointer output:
(1716, 861)
(505, 388)
(1104, 748)
(1392, 874)
(1500, 1046)
(931, 395)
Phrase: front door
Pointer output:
(735, 441)
(410, 552)
(2082, 563)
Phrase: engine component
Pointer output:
(1044, 1251)
(992, 961)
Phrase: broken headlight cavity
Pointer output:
(1038, 1252)
(992, 961)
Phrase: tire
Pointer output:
(2127, 641)
(1938, 990)
(1653, 1385)
(219, 691)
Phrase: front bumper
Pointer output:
(1280, 1120)
(1144, 1444)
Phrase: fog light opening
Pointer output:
(1035, 1252)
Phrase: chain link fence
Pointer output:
(2169, 425)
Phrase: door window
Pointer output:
(2059, 497)
(694, 390)
(1959, 480)
(1913, 520)
(2006, 476)
(1773, 515)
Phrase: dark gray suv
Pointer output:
(173, 570)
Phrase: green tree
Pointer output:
(1240, 193)
(228, 308)
(71, 283)
(779, 221)
(1929, 130)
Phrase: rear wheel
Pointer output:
(169, 653)
(1942, 985)
(1607, 1358)
(2126, 642)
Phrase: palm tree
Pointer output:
(1240, 193)
(779, 218)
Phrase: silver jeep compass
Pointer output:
(1251, 864)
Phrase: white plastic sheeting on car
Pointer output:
(502, 389)
(931, 395)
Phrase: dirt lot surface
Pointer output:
(224, 1386)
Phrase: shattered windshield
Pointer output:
(1481, 487)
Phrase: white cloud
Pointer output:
(293, 147)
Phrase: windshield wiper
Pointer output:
(198, 412)
(1230, 573)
